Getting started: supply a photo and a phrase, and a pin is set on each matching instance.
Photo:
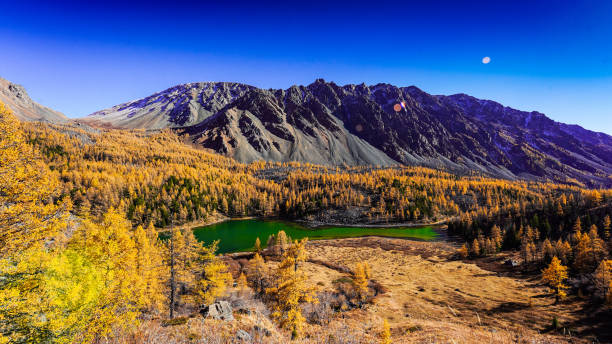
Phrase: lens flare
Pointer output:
(486, 59)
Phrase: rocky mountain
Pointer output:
(17, 99)
(179, 106)
(382, 124)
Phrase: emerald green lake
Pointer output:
(240, 235)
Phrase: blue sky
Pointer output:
(551, 56)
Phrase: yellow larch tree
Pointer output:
(385, 334)
(29, 224)
(27, 213)
(555, 275)
(603, 280)
(241, 283)
(110, 248)
(90, 288)
(215, 277)
(150, 268)
(257, 273)
(257, 246)
(361, 278)
(577, 226)
(463, 251)
(184, 267)
(289, 289)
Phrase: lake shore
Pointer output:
(211, 219)
(310, 224)
(318, 224)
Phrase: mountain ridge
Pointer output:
(354, 124)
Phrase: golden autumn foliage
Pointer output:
(94, 284)
(151, 269)
(203, 275)
(241, 283)
(361, 278)
(603, 280)
(555, 275)
(257, 246)
(463, 251)
(214, 279)
(146, 175)
(257, 272)
(289, 289)
(589, 250)
(385, 334)
(27, 213)
(65, 281)
(99, 274)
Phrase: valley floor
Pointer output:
(428, 297)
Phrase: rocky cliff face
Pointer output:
(178, 106)
(17, 99)
(358, 124)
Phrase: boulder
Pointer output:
(220, 310)
(263, 330)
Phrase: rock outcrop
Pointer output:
(220, 310)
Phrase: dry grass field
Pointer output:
(430, 298)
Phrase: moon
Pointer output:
(486, 60)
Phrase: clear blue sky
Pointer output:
(551, 56)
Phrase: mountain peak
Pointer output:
(17, 99)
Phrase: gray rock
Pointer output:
(263, 330)
(220, 310)
(243, 336)
(511, 262)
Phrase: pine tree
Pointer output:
(555, 275)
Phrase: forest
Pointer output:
(81, 212)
